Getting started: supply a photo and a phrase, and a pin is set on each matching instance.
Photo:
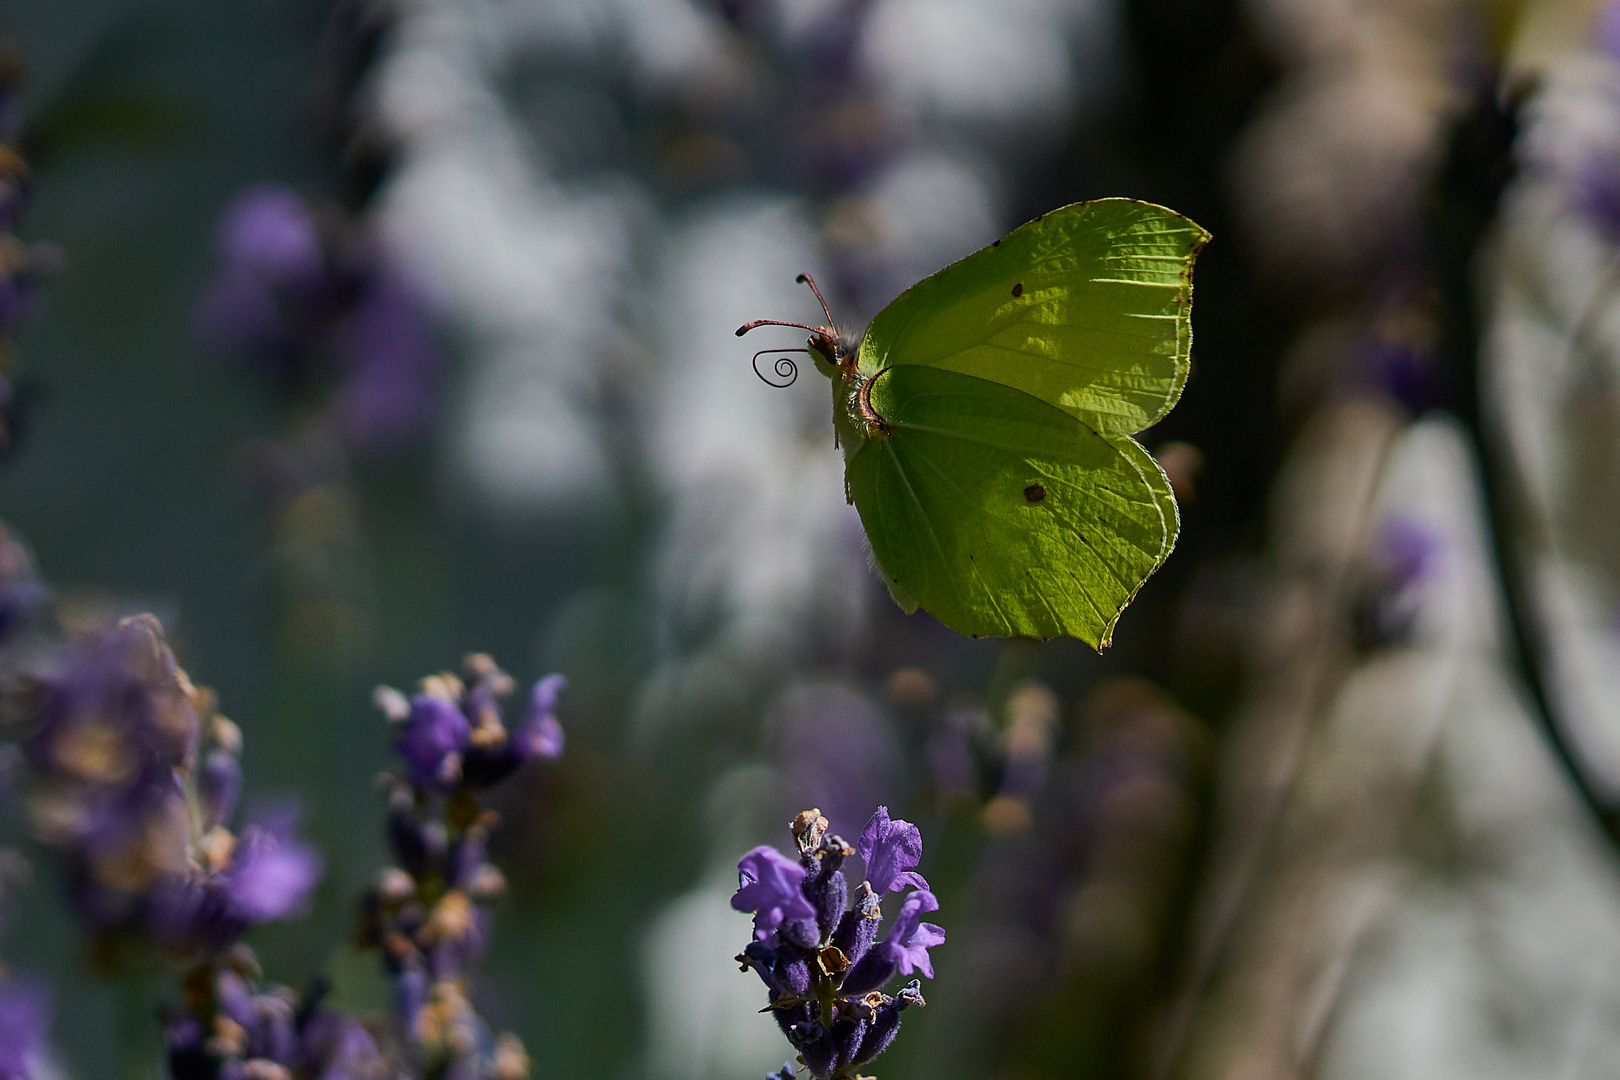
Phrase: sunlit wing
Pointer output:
(1087, 308)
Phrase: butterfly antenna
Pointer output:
(806, 279)
(784, 368)
(745, 327)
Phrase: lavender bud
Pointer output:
(392, 704)
(847, 1034)
(857, 930)
(815, 1044)
(792, 971)
(869, 973)
(827, 889)
(219, 785)
(886, 1022)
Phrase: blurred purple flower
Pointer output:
(452, 734)
(219, 785)
(390, 396)
(541, 735)
(115, 727)
(1407, 550)
(271, 875)
(431, 741)
(270, 232)
(303, 299)
(891, 851)
(429, 914)
(1408, 371)
(770, 885)
(267, 1034)
(25, 1025)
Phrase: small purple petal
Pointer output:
(432, 740)
(909, 939)
(891, 849)
(271, 231)
(541, 735)
(219, 785)
(771, 886)
(271, 875)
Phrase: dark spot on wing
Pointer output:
(1018, 289)
(995, 243)
(1034, 493)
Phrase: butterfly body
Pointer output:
(986, 418)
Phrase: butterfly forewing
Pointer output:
(1087, 309)
(1003, 515)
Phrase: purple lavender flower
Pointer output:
(271, 875)
(307, 298)
(116, 731)
(452, 734)
(274, 288)
(890, 850)
(270, 231)
(541, 735)
(429, 914)
(266, 1033)
(432, 740)
(1405, 556)
(135, 777)
(771, 885)
(821, 962)
(25, 1025)
(393, 362)
(909, 938)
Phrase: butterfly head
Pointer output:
(832, 349)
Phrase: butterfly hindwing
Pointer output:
(1088, 308)
(1003, 515)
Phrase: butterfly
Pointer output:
(986, 419)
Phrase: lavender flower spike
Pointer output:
(770, 885)
(891, 849)
(816, 957)
(541, 735)
(909, 939)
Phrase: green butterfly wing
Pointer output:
(1002, 515)
(1005, 494)
(1087, 308)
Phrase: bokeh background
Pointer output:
(1340, 801)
